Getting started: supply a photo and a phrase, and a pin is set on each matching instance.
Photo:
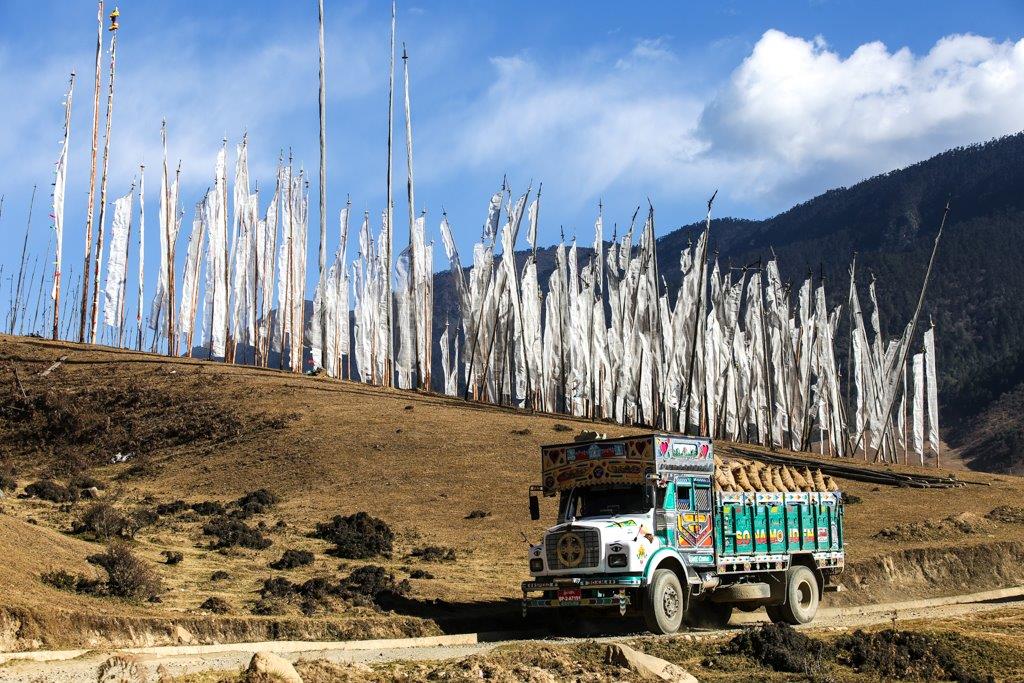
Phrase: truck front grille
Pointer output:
(591, 540)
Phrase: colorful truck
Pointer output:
(642, 528)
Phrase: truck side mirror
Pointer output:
(534, 508)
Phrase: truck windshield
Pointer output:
(605, 500)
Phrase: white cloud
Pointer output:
(584, 128)
(794, 118)
(794, 105)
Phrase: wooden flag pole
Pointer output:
(97, 268)
(323, 193)
(92, 176)
(16, 300)
(388, 236)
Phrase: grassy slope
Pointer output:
(420, 462)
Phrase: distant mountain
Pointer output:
(976, 296)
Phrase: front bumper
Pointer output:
(593, 591)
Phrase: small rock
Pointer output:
(266, 666)
(646, 666)
(163, 675)
(182, 636)
(91, 492)
(122, 668)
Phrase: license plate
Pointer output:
(569, 595)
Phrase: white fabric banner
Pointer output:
(117, 262)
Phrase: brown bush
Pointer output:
(127, 575)
(358, 536)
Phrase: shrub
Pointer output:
(256, 502)
(357, 536)
(171, 508)
(270, 607)
(373, 582)
(84, 481)
(62, 580)
(478, 514)
(143, 517)
(47, 489)
(8, 482)
(220, 575)
(780, 647)
(216, 605)
(73, 583)
(208, 508)
(127, 575)
(434, 553)
(172, 556)
(293, 558)
(277, 587)
(232, 532)
(420, 574)
(104, 522)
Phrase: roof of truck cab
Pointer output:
(648, 435)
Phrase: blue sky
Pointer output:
(770, 102)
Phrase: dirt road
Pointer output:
(81, 665)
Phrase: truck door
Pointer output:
(693, 515)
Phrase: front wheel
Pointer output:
(802, 597)
(664, 602)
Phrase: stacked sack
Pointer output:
(757, 477)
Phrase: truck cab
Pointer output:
(641, 528)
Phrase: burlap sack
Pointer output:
(787, 479)
(742, 480)
(780, 485)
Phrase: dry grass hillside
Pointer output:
(205, 432)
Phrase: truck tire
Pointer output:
(802, 597)
(707, 614)
(664, 602)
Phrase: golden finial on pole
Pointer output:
(113, 20)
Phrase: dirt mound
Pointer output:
(963, 524)
(782, 648)
(907, 655)
(1007, 514)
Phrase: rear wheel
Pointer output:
(802, 597)
(707, 614)
(664, 602)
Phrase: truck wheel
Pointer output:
(801, 598)
(664, 602)
(707, 614)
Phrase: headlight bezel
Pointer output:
(536, 565)
(618, 561)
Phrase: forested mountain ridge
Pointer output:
(976, 295)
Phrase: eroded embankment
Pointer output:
(931, 573)
(28, 629)
(899, 576)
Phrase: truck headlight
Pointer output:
(536, 565)
(618, 560)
